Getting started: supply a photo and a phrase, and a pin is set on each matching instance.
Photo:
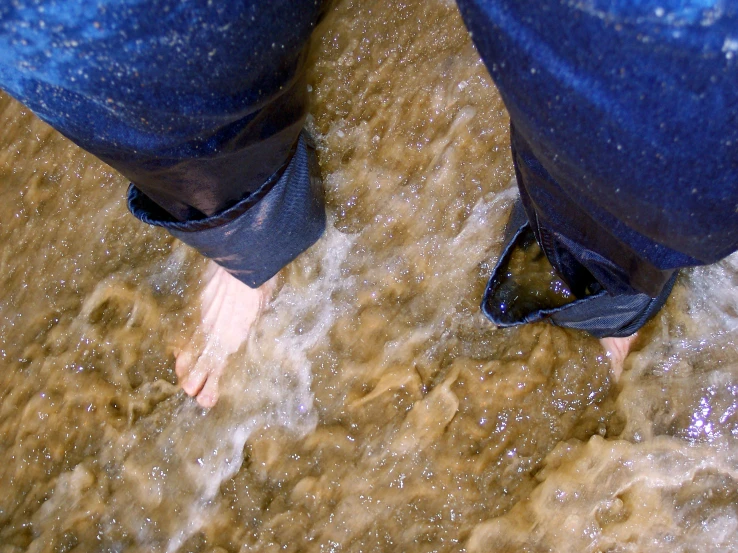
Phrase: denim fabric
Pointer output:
(630, 112)
(256, 237)
(605, 262)
(624, 132)
(596, 311)
(198, 103)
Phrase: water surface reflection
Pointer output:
(374, 409)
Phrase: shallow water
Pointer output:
(374, 408)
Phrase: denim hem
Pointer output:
(600, 314)
(261, 234)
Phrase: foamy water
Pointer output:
(373, 407)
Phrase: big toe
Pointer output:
(183, 363)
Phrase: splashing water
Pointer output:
(373, 407)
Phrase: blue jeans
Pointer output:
(624, 114)
(200, 104)
(625, 139)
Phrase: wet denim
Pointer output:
(200, 104)
(256, 237)
(595, 310)
(624, 131)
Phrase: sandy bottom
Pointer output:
(374, 408)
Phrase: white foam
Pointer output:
(713, 296)
(274, 387)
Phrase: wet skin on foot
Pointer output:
(229, 309)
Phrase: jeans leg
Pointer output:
(586, 254)
(200, 104)
(625, 137)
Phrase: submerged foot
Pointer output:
(617, 350)
(229, 309)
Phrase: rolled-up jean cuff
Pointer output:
(600, 314)
(263, 232)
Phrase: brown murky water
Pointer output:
(374, 408)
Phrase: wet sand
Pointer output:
(374, 408)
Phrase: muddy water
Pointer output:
(373, 409)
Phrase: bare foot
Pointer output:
(229, 309)
(617, 350)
